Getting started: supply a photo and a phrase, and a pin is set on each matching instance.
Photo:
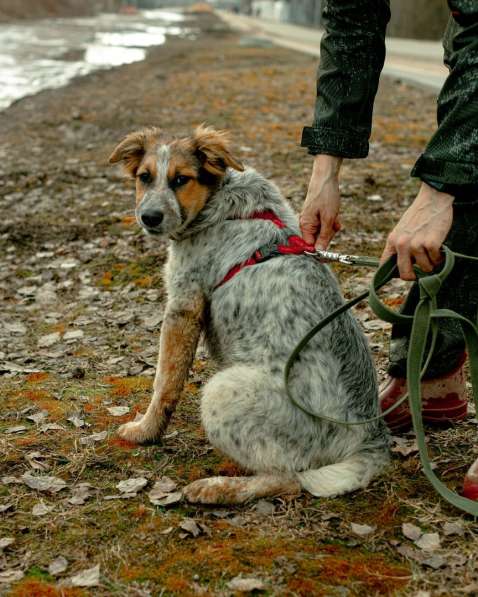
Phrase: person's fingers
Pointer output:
(404, 260)
(327, 232)
(387, 252)
(421, 258)
(309, 228)
(434, 252)
(337, 224)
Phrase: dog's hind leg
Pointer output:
(350, 474)
(246, 417)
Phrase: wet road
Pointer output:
(43, 54)
(415, 61)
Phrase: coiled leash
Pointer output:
(424, 324)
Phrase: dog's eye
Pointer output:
(145, 177)
(179, 181)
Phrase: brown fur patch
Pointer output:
(132, 149)
(212, 148)
(192, 197)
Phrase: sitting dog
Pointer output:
(253, 310)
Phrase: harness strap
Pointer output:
(423, 323)
(295, 245)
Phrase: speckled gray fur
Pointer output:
(253, 322)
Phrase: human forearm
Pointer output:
(352, 55)
(319, 220)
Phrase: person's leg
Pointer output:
(443, 389)
(460, 293)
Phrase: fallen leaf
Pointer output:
(410, 552)
(435, 561)
(34, 460)
(41, 509)
(121, 496)
(48, 340)
(403, 446)
(132, 485)
(81, 493)
(15, 327)
(330, 515)
(8, 576)
(16, 429)
(73, 335)
(190, 526)
(246, 585)
(6, 542)
(168, 500)
(87, 578)
(118, 411)
(454, 528)
(374, 325)
(57, 566)
(170, 435)
(38, 417)
(50, 427)
(8, 480)
(164, 485)
(94, 437)
(428, 541)
(362, 529)
(77, 421)
(411, 531)
(51, 484)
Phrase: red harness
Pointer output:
(296, 245)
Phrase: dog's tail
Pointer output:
(343, 477)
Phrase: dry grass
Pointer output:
(306, 546)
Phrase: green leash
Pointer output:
(424, 323)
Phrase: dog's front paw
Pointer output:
(137, 432)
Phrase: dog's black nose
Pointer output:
(152, 218)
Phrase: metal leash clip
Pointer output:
(330, 256)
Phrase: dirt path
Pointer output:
(82, 304)
(40, 9)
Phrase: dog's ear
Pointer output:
(211, 147)
(132, 148)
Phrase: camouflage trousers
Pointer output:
(460, 293)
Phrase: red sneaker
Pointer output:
(443, 400)
(470, 486)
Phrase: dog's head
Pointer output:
(174, 177)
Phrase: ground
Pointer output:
(82, 304)
(39, 9)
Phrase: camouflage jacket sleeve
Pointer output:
(352, 53)
(450, 159)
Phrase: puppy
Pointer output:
(253, 309)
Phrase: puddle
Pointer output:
(48, 53)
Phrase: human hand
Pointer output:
(419, 234)
(319, 219)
